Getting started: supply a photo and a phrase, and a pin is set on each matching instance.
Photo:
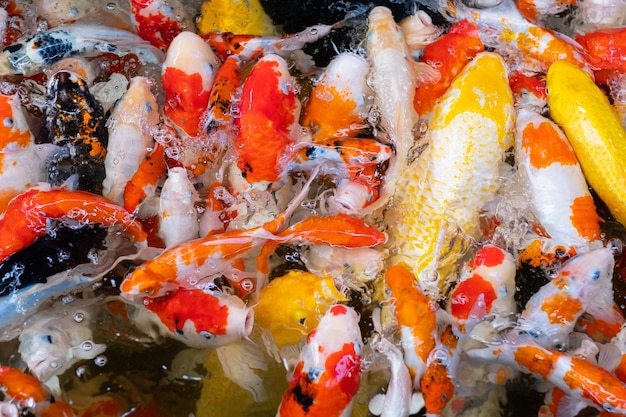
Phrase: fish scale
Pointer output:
(439, 198)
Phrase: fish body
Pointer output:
(247, 18)
(203, 318)
(606, 51)
(159, 21)
(559, 193)
(328, 373)
(143, 184)
(441, 193)
(130, 127)
(75, 122)
(178, 218)
(594, 131)
(31, 55)
(551, 314)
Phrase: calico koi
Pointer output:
(178, 217)
(202, 318)
(74, 120)
(269, 108)
(26, 216)
(328, 373)
(443, 191)
(594, 131)
(339, 103)
(32, 54)
(585, 280)
(159, 21)
(131, 124)
(547, 161)
(447, 55)
(188, 73)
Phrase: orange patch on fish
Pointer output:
(555, 49)
(488, 256)
(465, 296)
(585, 218)
(535, 359)
(20, 386)
(186, 99)
(620, 370)
(561, 308)
(326, 123)
(545, 146)
(596, 383)
(437, 388)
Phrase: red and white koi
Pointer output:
(546, 160)
(529, 91)
(202, 318)
(577, 377)
(269, 108)
(328, 373)
(27, 215)
(188, 73)
(178, 217)
(134, 119)
(20, 164)
(585, 280)
(526, 46)
(33, 54)
(606, 51)
(340, 101)
(445, 188)
(143, 183)
(159, 21)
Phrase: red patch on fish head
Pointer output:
(466, 294)
(338, 310)
(489, 256)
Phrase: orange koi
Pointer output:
(269, 114)
(447, 55)
(606, 51)
(577, 377)
(188, 73)
(143, 183)
(339, 103)
(203, 318)
(416, 316)
(157, 22)
(533, 10)
(328, 374)
(26, 216)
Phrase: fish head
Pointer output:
(47, 350)
(14, 131)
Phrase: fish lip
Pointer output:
(249, 322)
(39, 369)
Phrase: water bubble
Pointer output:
(79, 317)
(68, 299)
(247, 285)
(81, 371)
(111, 6)
(616, 246)
(313, 31)
(54, 365)
(100, 360)
(308, 204)
(86, 345)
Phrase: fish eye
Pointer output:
(595, 275)
(48, 338)
(207, 335)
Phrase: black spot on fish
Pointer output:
(303, 399)
(53, 47)
(13, 48)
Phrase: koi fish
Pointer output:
(178, 218)
(606, 51)
(74, 120)
(130, 126)
(443, 191)
(249, 47)
(159, 21)
(416, 316)
(594, 131)
(226, 16)
(339, 103)
(203, 318)
(27, 214)
(291, 306)
(31, 55)
(328, 373)
(577, 377)
(447, 55)
(269, 107)
(551, 314)
(528, 47)
(21, 165)
(529, 91)
(143, 183)
(188, 73)
(547, 162)
(535, 10)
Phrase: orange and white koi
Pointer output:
(202, 318)
(269, 108)
(393, 81)
(340, 101)
(143, 183)
(29, 56)
(131, 124)
(577, 377)
(178, 217)
(416, 316)
(444, 189)
(547, 161)
(527, 47)
(26, 216)
(188, 73)
(198, 259)
(535, 10)
(250, 47)
(159, 21)
(328, 373)
(585, 280)
(20, 164)
(447, 55)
